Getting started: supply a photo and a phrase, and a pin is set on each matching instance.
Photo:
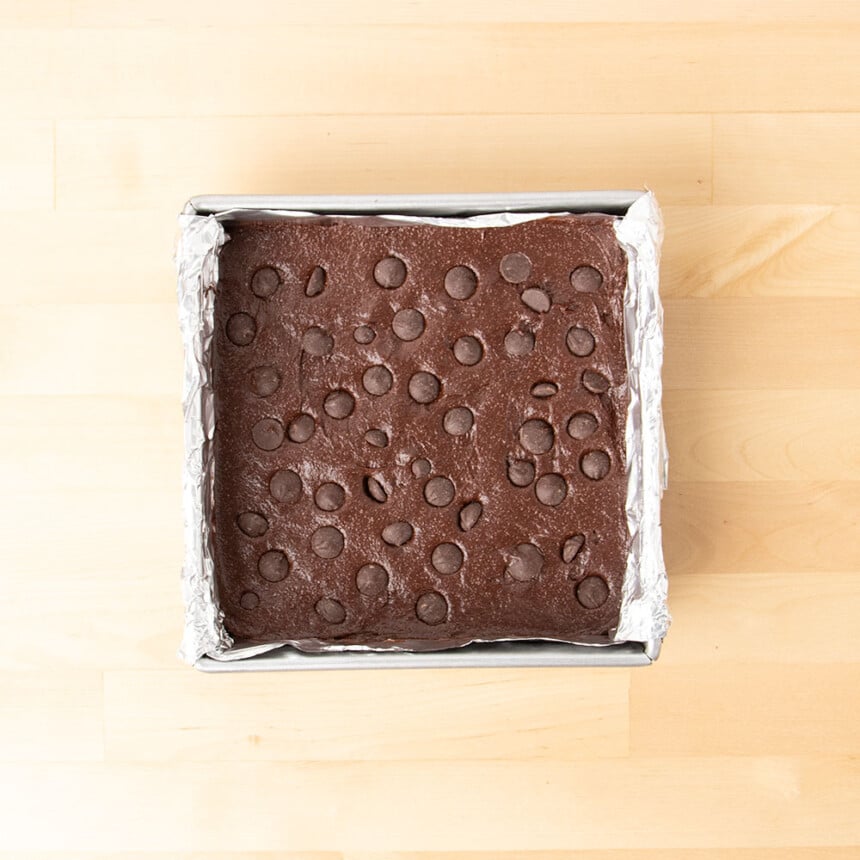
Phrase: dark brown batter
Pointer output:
(420, 432)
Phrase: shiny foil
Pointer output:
(644, 616)
(197, 265)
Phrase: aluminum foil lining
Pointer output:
(197, 265)
(644, 616)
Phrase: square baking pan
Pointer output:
(231, 208)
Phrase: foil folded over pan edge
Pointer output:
(200, 241)
(643, 615)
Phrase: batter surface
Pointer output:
(420, 432)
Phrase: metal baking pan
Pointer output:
(525, 653)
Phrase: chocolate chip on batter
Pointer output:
(431, 608)
(461, 282)
(524, 562)
(265, 282)
(390, 272)
(316, 282)
(515, 268)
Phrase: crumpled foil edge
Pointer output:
(644, 615)
(200, 241)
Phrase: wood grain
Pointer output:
(752, 343)
(161, 13)
(138, 435)
(45, 14)
(456, 68)
(616, 854)
(187, 855)
(808, 157)
(611, 854)
(743, 713)
(26, 165)
(396, 715)
(52, 716)
(739, 619)
(181, 855)
(159, 163)
(741, 435)
(372, 805)
(741, 742)
(106, 349)
(105, 274)
(788, 526)
(751, 251)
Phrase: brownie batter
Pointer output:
(420, 432)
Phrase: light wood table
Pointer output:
(743, 740)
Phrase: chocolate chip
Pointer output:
(461, 282)
(371, 579)
(521, 473)
(264, 282)
(327, 542)
(316, 282)
(268, 434)
(317, 341)
(571, 547)
(424, 387)
(330, 496)
(330, 610)
(377, 438)
(252, 524)
(421, 467)
(458, 421)
(363, 334)
(470, 514)
(301, 428)
(408, 324)
(515, 268)
(241, 329)
(264, 381)
(447, 558)
(595, 465)
(439, 491)
(537, 436)
(468, 350)
(390, 272)
(536, 300)
(431, 608)
(273, 565)
(543, 390)
(580, 341)
(375, 489)
(377, 380)
(551, 489)
(339, 404)
(595, 382)
(582, 425)
(524, 562)
(519, 343)
(592, 592)
(586, 279)
(397, 534)
(249, 600)
(286, 486)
